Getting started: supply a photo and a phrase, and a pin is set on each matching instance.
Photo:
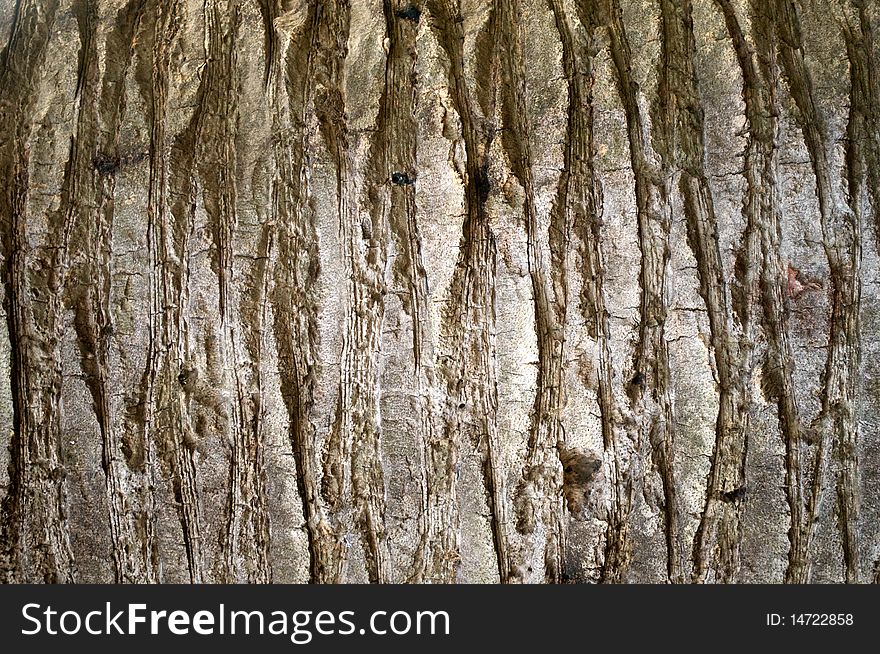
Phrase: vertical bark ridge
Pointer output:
(861, 150)
(681, 123)
(330, 36)
(293, 298)
(351, 461)
(758, 269)
(254, 537)
(835, 423)
(244, 545)
(466, 360)
(539, 492)
(394, 216)
(89, 291)
(395, 152)
(763, 236)
(496, 31)
(365, 238)
(256, 533)
(578, 212)
(866, 92)
(127, 455)
(747, 266)
(270, 10)
(137, 526)
(864, 155)
(366, 251)
(167, 421)
(868, 86)
(35, 531)
(650, 386)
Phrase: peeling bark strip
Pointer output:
(191, 187)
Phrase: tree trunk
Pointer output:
(440, 291)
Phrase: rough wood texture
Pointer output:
(440, 291)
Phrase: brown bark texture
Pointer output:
(440, 291)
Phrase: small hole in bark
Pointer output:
(734, 495)
(412, 13)
(401, 179)
(638, 379)
(187, 379)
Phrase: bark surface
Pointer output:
(500, 291)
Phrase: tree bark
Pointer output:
(502, 291)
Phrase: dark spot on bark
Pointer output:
(411, 12)
(636, 386)
(578, 467)
(190, 440)
(187, 379)
(483, 185)
(578, 470)
(772, 382)
(106, 164)
(734, 495)
(401, 179)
